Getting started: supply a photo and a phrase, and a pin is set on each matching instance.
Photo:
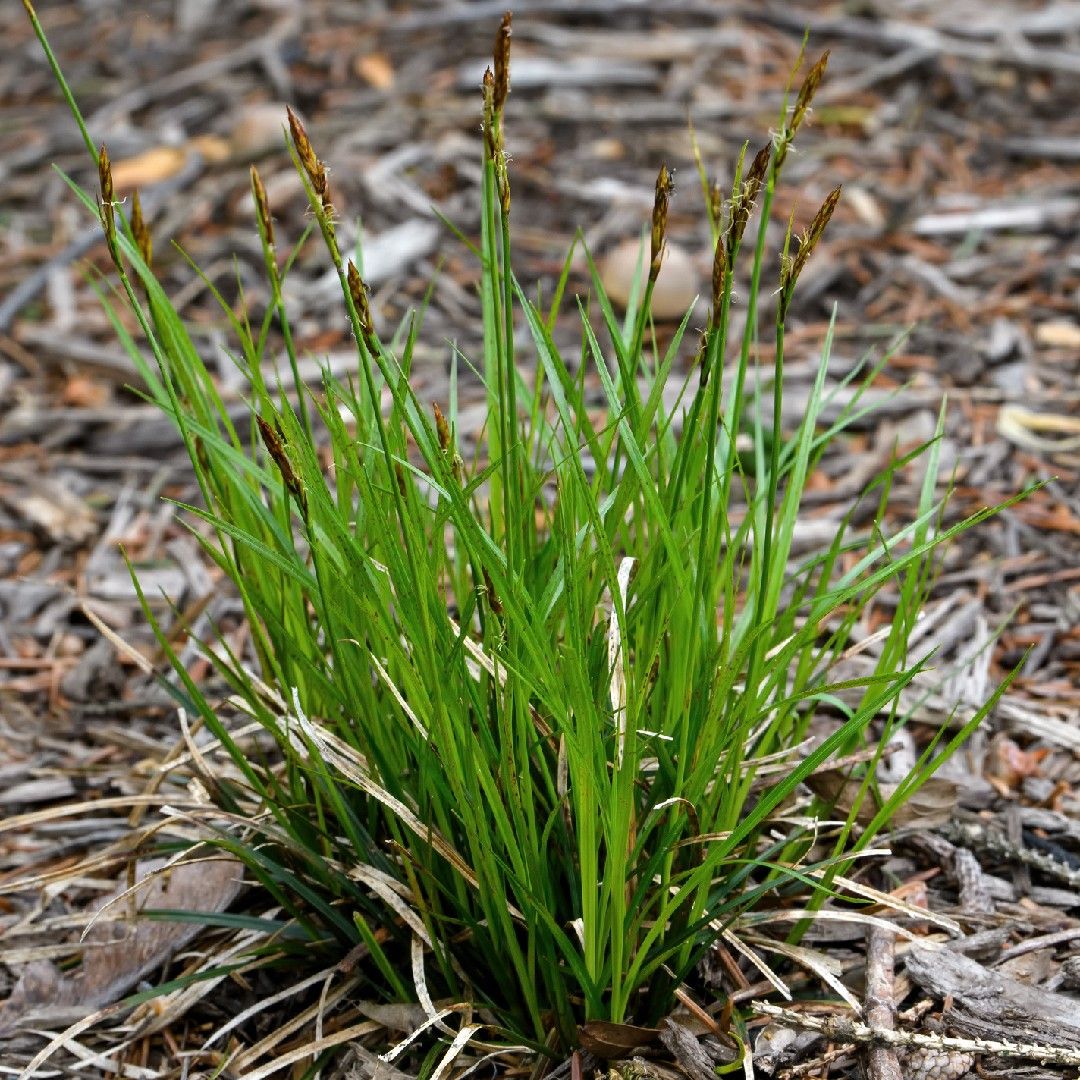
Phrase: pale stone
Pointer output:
(676, 286)
(258, 130)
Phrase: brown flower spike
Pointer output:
(105, 181)
(807, 92)
(719, 271)
(275, 444)
(490, 133)
(314, 168)
(792, 266)
(303, 148)
(813, 235)
(442, 428)
(140, 231)
(493, 133)
(105, 175)
(493, 598)
(744, 202)
(716, 200)
(665, 188)
(358, 292)
(502, 63)
(802, 107)
(262, 206)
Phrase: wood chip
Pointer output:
(376, 69)
(988, 1004)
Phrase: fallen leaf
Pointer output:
(122, 952)
(931, 805)
(608, 149)
(44, 789)
(866, 207)
(395, 1016)
(150, 167)
(607, 1040)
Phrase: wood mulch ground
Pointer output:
(955, 128)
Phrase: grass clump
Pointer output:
(533, 711)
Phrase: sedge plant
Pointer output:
(516, 701)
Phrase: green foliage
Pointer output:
(520, 699)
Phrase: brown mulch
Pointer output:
(955, 129)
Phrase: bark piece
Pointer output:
(989, 1004)
(879, 1002)
(686, 1050)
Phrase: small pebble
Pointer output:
(258, 130)
(70, 645)
(676, 286)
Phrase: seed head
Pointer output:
(442, 428)
(807, 92)
(493, 599)
(744, 201)
(716, 200)
(654, 671)
(303, 144)
(140, 231)
(201, 456)
(314, 168)
(446, 443)
(502, 63)
(105, 182)
(262, 206)
(665, 188)
(274, 441)
(358, 292)
(493, 134)
(814, 233)
(491, 125)
(791, 266)
(719, 272)
(502, 179)
(702, 357)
